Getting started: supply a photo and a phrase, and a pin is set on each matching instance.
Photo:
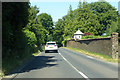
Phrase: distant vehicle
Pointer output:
(51, 46)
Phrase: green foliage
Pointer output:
(96, 18)
(92, 36)
(36, 26)
(106, 13)
(14, 18)
(50, 37)
(31, 38)
(87, 21)
(68, 24)
(40, 33)
(46, 21)
(23, 34)
(58, 31)
(112, 28)
(33, 11)
(87, 37)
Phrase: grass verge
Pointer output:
(97, 55)
(43, 48)
(12, 62)
(35, 54)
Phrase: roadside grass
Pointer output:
(97, 55)
(42, 49)
(12, 62)
(35, 54)
(1, 74)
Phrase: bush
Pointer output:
(88, 34)
(87, 37)
(92, 36)
(31, 39)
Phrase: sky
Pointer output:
(59, 8)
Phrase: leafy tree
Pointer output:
(33, 11)
(14, 18)
(80, 4)
(35, 26)
(46, 21)
(32, 25)
(14, 42)
(50, 37)
(106, 13)
(96, 18)
(112, 28)
(68, 23)
(86, 20)
(31, 38)
(58, 31)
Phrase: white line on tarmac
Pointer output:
(84, 76)
(90, 57)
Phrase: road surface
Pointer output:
(67, 64)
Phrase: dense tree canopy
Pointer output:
(106, 13)
(58, 31)
(23, 33)
(46, 21)
(87, 21)
(96, 18)
(36, 26)
(14, 18)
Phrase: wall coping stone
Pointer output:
(89, 39)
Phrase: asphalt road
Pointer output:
(67, 64)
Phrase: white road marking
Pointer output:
(84, 76)
(90, 57)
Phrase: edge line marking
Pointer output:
(83, 75)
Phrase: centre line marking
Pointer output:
(84, 76)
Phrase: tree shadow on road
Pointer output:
(37, 63)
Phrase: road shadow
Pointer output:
(38, 62)
(51, 52)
